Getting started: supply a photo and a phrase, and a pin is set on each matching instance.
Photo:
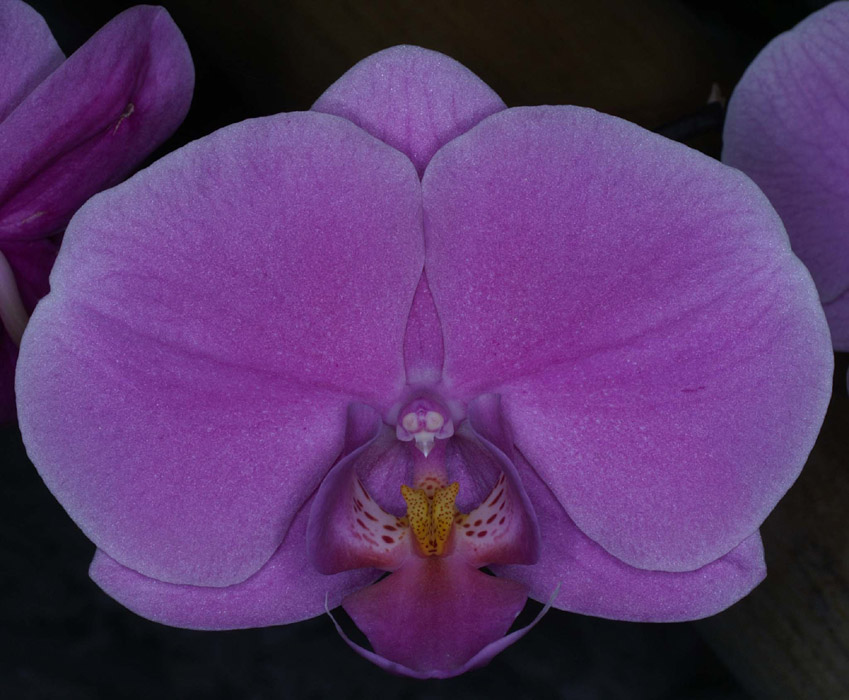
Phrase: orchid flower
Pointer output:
(69, 129)
(414, 331)
(788, 129)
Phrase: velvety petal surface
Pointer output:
(29, 263)
(660, 353)
(787, 127)
(183, 388)
(28, 53)
(434, 614)
(92, 120)
(286, 589)
(414, 99)
(593, 582)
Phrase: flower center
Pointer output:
(424, 420)
(430, 514)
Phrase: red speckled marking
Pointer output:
(493, 521)
(375, 522)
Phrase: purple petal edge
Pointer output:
(160, 399)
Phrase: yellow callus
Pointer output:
(431, 516)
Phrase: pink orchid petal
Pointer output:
(29, 263)
(28, 53)
(661, 354)
(286, 589)
(435, 614)
(92, 120)
(787, 128)
(414, 99)
(183, 387)
(593, 582)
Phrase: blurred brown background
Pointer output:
(650, 61)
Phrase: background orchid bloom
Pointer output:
(414, 331)
(69, 129)
(787, 128)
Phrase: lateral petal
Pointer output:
(182, 389)
(661, 354)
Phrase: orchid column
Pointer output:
(317, 346)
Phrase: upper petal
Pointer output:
(92, 120)
(182, 389)
(414, 99)
(787, 127)
(28, 53)
(661, 354)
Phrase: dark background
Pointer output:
(650, 61)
